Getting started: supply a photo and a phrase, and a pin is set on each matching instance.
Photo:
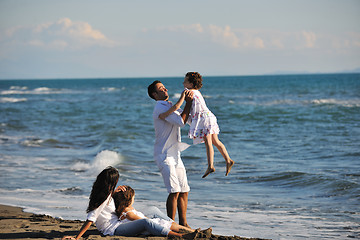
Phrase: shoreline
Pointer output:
(17, 224)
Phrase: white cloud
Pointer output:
(259, 43)
(250, 39)
(60, 35)
(310, 39)
(78, 30)
(355, 39)
(209, 34)
(76, 47)
(232, 38)
(224, 36)
(192, 28)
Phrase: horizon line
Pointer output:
(248, 75)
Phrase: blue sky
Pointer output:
(115, 38)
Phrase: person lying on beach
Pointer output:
(135, 222)
(203, 127)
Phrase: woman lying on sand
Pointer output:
(101, 210)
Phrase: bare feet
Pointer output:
(208, 171)
(185, 226)
(193, 235)
(185, 230)
(207, 233)
(229, 166)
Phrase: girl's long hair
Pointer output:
(123, 200)
(104, 185)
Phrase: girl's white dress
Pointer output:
(203, 121)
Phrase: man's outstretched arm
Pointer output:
(188, 98)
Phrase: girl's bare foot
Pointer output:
(193, 235)
(229, 166)
(208, 171)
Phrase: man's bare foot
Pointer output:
(208, 171)
(229, 166)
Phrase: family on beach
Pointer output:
(111, 209)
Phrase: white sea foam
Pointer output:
(6, 139)
(102, 160)
(282, 102)
(176, 96)
(112, 89)
(41, 90)
(18, 88)
(49, 202)
(291, 102)
(332, 101)
(32, 142)
(263, 223)
(12, 100)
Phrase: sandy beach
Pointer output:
(17, 224)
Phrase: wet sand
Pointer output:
(16, 224)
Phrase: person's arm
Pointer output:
(188, 98)
(83, 229)
(132, 216)
(175, 107)
(175, 118)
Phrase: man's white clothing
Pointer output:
(168, 146)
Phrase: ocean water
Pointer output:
(295, 140)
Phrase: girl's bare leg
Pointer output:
(177, 227)
(210, 155)
(222, 149)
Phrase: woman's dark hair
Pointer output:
(104, 185)
(123, 200)
(152, 89)
(195, 78)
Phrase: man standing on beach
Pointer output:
(167, 150)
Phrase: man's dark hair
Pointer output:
(151, 88)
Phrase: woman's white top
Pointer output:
(105, 217)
